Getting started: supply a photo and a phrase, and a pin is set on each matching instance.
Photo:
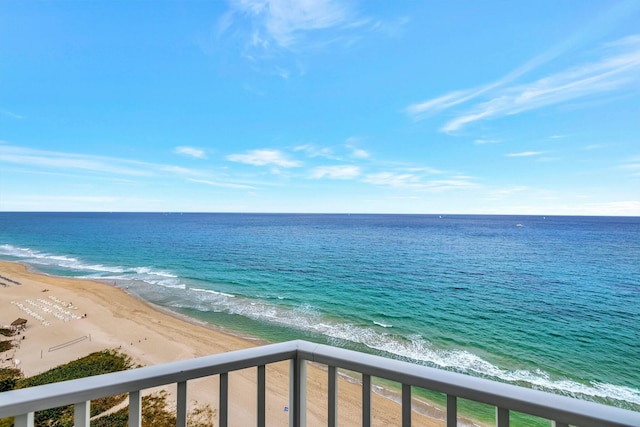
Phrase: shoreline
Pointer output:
(98, 316)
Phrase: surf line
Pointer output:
(68, 343)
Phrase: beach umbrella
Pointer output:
(19, 323)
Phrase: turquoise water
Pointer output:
(549, 303)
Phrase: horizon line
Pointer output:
(318, 213)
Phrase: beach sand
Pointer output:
(150, 336)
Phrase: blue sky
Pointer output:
(507, 107)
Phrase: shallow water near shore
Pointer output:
(549, 303)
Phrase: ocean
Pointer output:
(551, 303)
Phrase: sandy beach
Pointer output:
(70, 318)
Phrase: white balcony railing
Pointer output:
(562, 411)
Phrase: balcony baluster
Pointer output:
(332, 395)
(223, 400)
(262, 403)
(135, 409)
(452, 411)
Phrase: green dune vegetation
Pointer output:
(6, 345)
(104, 412)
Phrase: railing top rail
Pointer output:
(562, 409)
(32, 399)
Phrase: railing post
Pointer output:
(332, 393)
(181, 410)
(262, 407)
(223, 418)
(366, 400)
(406, 405)
(81, 414)
(298, 393)
(452, 411)
(502, 417)
(135, 409)
(24, 420)
(293, 388)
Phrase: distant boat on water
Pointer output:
(518, 225)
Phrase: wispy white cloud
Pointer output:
(459, 183)
(176, 170)
(418, 183)
(71, 164)
(51, 202)
(350, 150)
(423, 109)
(128, 172)
(352, 144)
(525, 154)
(282, 72)
(424, 170)
(301, 26)
(11, 114)
(191, 152)
(286, 18)
(391, 179)
(283, 22)
(481, 141)
(592, 147)
(224, 22)
(264, 158)
(312, 150)
(223, 184)
(360, 153)
(392, 28)
(633, 165)
(70, 161)
(618, 68)
(336, 172)
(82, 199)
(503, 193)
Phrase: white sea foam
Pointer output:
(61, 258)
(98, 268)
(168, 284)
(65, 261)
(413, 348)
(209, 291)
(384, 325)
(34, 255)
(97, 271)
(150, 270)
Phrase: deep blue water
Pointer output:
(552, 304)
